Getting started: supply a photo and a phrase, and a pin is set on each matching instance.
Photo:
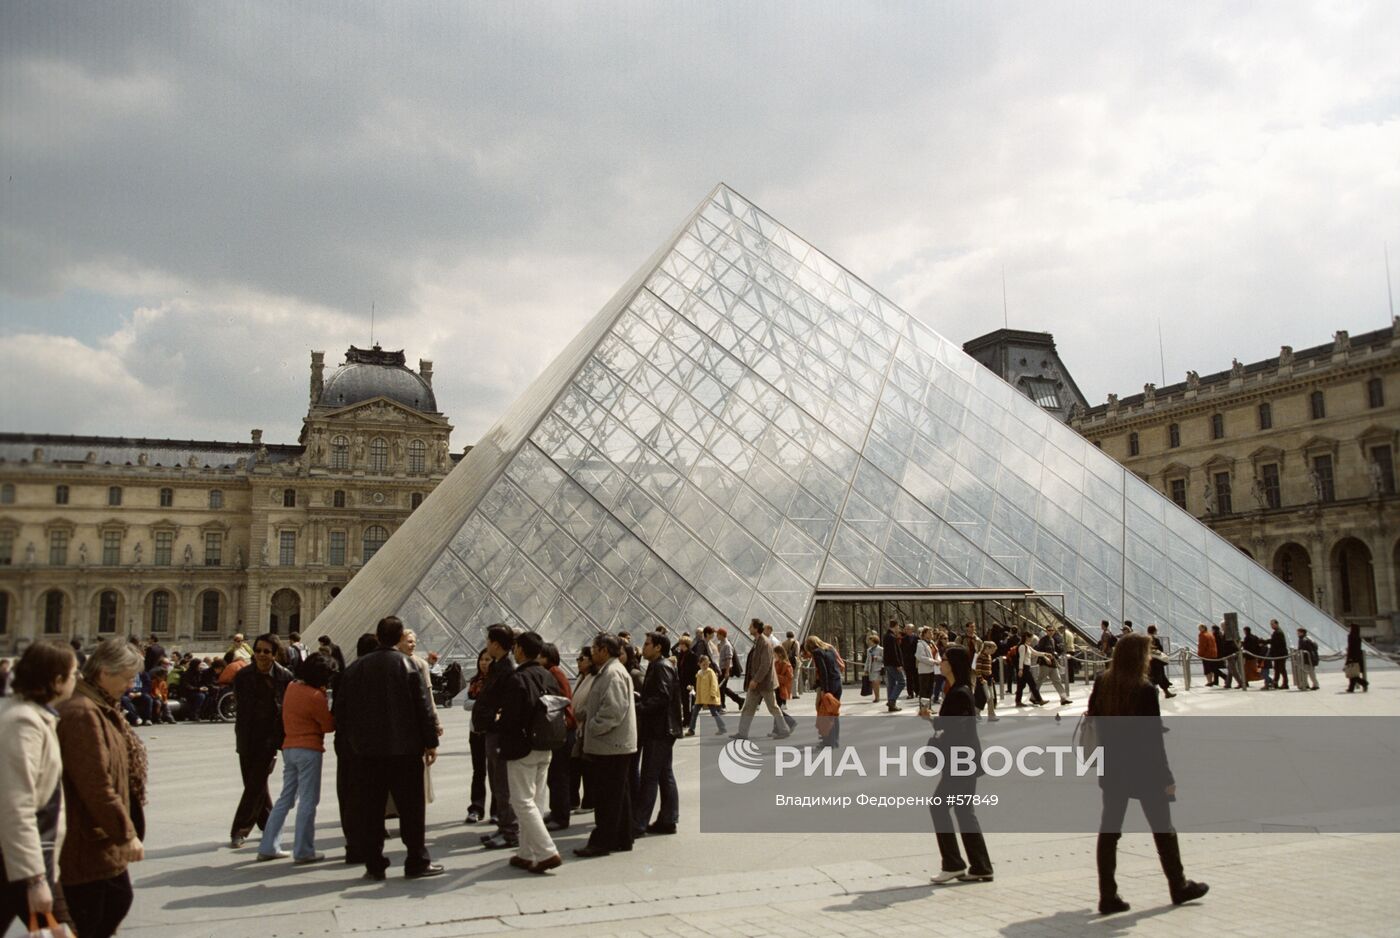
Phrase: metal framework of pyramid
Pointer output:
(746, 422)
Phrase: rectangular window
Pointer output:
(4, 612)
(167, 498)
(339, 498)
(1273, 492)
(165, 546)
(213, 549)
(114, 495)
(1375, 393)
(111, 548)
(1133, 446)
(1174, 436)
(1217, 426)
(58, 548)
(1177, 488)
(1384, 472)
(1317, 404)
(1223, 503)
(209, 612)
(416, 498)
(60, 495)
(289, 498)
(7, 547)
(336, 557)
(1322, 478)
(216, 498)
(287, 549)
(1266, 416)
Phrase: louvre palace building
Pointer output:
(195, 540)
(1291, 459)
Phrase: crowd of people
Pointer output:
(543, 748)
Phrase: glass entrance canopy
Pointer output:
(746, 423)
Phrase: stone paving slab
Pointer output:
(701, 884)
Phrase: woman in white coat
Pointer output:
(31, 789)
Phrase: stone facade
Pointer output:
(196, 540)
(1029, 362)
(1292, 459)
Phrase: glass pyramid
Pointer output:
(747, 422)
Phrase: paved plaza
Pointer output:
(744, 884)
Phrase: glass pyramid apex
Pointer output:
(747, 422)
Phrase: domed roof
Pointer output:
(371, 373)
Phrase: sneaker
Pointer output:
(279, 855)
(947, 876)
(993, 719)
(975, 878)
(432, 869)
(473, 816)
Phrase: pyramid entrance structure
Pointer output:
(745, 427)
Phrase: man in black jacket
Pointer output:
(894, 664)
(384, 716)
(1278, 653)
(527, 768)
(500, 641)
(659, 722)
(257, 731)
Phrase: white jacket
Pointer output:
(926, 657)
(609, 716)
(30, 769)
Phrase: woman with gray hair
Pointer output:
(104, 786)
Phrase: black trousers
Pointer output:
(401, 776)
(1027, 679)
(349, 793)
(256, 803)
(979, 863)
(500, 788)
(611, 790)
(476, 742)
(97, 908)
(560, 784)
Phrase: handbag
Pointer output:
(865, 687)
(51, 927)
(1086, 735)
(1352, 670)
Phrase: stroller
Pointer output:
(448, 684)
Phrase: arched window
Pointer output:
(378, 455)
(375, 536)
(53, 612)
(160, 611)
(417, 456)
(340, 452)
(209, 611)
(107, 612)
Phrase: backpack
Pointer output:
(548, 729)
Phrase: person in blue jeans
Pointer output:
(894, 671)
(307, 719)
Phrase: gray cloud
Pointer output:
(254, 176)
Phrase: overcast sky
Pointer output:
(195, 196)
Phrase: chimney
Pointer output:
(318, 370)
(425, 369)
